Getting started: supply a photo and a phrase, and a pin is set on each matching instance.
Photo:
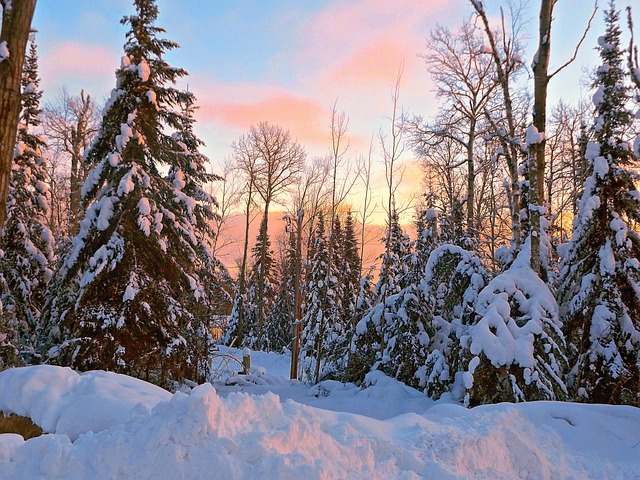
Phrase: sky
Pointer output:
(288, 61)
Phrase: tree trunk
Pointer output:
(512, 150)
(471, 179)
(537, 150)
(243, 269)
(16, 24)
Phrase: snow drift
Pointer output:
(110, 426)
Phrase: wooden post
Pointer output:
(246, 360)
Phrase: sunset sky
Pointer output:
(287, 62)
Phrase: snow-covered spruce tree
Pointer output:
(321, 306)
(347, 270)
(27, 243)
(338, 326)
(129, 297)
(513, 350)
(188, 174)
(427, 240)
(280, 317)
(371, 332)
(599, 287)
(255, 304)
(407, 314)
(351, 271)
(453, 228)
(453, 278)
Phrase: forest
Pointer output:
(517, 280)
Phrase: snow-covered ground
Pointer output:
(102, 425)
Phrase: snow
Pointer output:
(103, 425)
(598, 96)
(600, 166)
(62, 401)
(126, 133)
(143, 70)
(151, 97)
(105, 207)
(533, 137)
(4, 51)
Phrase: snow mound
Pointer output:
(60, 400)
(203, 434)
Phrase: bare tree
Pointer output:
(392, 149)
(245, 160)
(506, 57)
(227, 196)
(364, 173)
(16, 25)
(536, 132)
(277, 162)
(537, 157)
(465, 82)
(71, 123)
(307, 198)
(565, 166)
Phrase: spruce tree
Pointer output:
(27, 243)
(321, 308)
(512, 349)
(130, 296)
(280, 318)
(337, 329)
(599, 286)
(378, 324)
(261, 291)
(351, 257)
(452, 281)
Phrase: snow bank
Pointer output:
(60, 400)
(204, 434)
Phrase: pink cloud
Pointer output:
(304, 117)
(378, 63)
(74, 62)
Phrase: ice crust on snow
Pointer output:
(110, 426)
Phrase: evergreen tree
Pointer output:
(379, 323)
(427, 239)
(322, 303)
(261, 279)
(27, 243)
(129, 297)
(453, 227)
(599, 287)
(393, 269)
(452, 281)
(281, 316)
(513, 348)
(338, 327)
(351, 257)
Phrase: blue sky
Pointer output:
(287, 61)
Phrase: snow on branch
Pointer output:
(4, 51)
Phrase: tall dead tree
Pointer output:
(16, 25)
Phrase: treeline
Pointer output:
(522, 281)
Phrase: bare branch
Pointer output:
(575, 52)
